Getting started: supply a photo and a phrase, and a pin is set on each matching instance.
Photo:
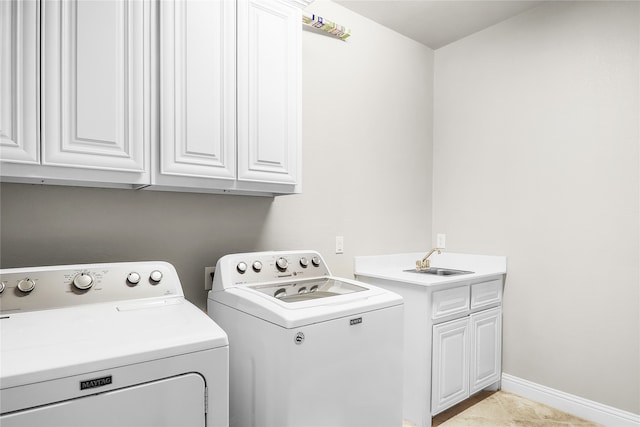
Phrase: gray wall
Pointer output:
(367, 130)
(536, 156)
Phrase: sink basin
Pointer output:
(439, 271)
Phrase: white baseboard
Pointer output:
(578, 406)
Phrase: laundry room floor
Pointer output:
(504, 409)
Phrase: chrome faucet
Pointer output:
(424, 264)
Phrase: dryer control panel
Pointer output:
(43, 288)
(267, 267)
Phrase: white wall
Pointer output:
(367, 131)
(536, 156)
(367, 138)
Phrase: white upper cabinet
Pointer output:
(269, 91)
(19, 81)
(207, 74)
(93, 93)
(185, 95)
(197, 95)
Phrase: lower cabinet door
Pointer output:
(450, 364)
(486, 348)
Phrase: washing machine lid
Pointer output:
(308, 290)
(334, 298)
(292, 288)
(49, 344)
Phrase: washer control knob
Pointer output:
(282, 263)
(2, 287)
(315, 261)
(257, 266)
(304, 262)
(156, 276)
(83, 281)
(241, 267)
(133, 278)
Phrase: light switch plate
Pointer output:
(441, 240)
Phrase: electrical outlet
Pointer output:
(441, 240)
(339, 244)
(208, 278)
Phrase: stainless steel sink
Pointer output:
(439, 271)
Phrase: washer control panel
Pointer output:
(42, 288)
(266, 267)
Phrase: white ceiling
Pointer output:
(438, 23)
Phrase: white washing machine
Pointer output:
(108, 345)
(306, 348)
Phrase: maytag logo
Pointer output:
(355, 321)
(96, 382)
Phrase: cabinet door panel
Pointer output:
(93, 88)
(450, 376)
(486, 348)
(197, 69)
(19, 63)
(268, 91)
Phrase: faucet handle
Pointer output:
(422, 264)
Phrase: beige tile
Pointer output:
(504, 409)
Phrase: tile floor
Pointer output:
(504, 409)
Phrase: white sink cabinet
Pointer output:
(466, 354)
(452, 330)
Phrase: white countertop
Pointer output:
(391, 267)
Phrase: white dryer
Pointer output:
(108, 345)
(306, 348)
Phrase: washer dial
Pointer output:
(315, 261)
(257, 266)
(304, 262)
(156, 276)
(282, 263)
(241, 267)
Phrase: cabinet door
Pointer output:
(197, 93)
(94, 90)
(19, 74)
(486, 348)
(269, 56)
(450, 364)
